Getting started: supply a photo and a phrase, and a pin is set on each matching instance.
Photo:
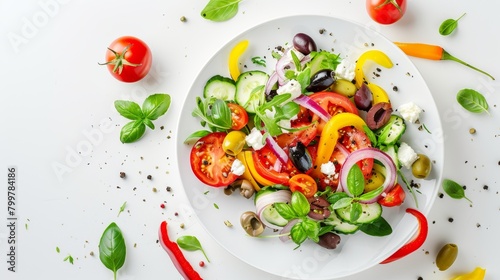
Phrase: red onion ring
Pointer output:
(280, 153)
(286, 230)
(383, 158)
(267, 199)
(313, 106)
(273, 79)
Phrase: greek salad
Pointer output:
(315, 144)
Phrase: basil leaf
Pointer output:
(300, 205)
(156, 105)
(379, 227)
(290, 110)
(112, 249)
(371, 194)
(129, 109)
(221, 114)
(149, 123)
(336, 196)
(285, 210)
(449, 25)
(342, 202)
(304, 79)
(472, 101)
(220, 10)
(454, 190)
(196, 135)
(298, 233)
(355, 180)
(132, 131)
(311, 229)
(355, 211)
(371, 135)
(191, 243)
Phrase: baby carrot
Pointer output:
(433, 52)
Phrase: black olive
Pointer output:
(321, 80)
(304, 43)
(378, 115)
(363, 98)
(329, 240)
(319, 208)
(300, 157)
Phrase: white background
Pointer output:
(57, 110)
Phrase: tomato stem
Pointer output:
(393, 2)
(119, 61)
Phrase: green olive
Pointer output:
(446, 256)
(422, 167)
(234, 142)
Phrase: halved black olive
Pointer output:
(300, 157)
(322, 80)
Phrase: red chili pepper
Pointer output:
(416, 242)
(176, 255)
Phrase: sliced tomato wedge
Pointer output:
(266, 163)
(333, 103)
(239, 117)
(303, 183)
(395, 197)
(210, 164)
(354, 139)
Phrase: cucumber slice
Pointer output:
(250, 89)
(370, 212)
(220, 87)
(341, 226)
(392, 131)
(392, 151)
(272, 216)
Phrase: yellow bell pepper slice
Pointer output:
(247, 175)
(253, 171)
(330, 135)
(378, 93)
(477, 274)
(377, 56)
(234, 59)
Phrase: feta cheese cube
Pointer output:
(255, 139)
(406, 155)
(410, 112)
(345, 70)
(237, 168)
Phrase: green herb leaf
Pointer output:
(371, 194)
(129, 109)
(355, 180)
(472, 101)
(379, 227)
(371, 135)
(285, 210)
(454, 190)
(298, 233)
(300, 205)
(449, 25)
(311, 229)
(336, 196)
(342, 202)
(155, 105)
(112, 249)
(259, 61)
(221, 114)
(191, 243)
(149, 123)
(68, 258)
(58, 250)
(355, 211)
(195, 136)
(122, 208)
(132, 131)
(220, 10)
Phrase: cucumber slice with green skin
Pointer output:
(250, 89)
(341, 226)
(370, 212)
(392, 151)
(392, 131)
(272, 216)
(220, 87)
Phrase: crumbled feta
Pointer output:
(237, 168)
(293, 87)
(255, 139)
(328, 168)
(410, 112)
(406, 155)
(345, 70)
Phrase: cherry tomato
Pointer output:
(333, 103)
(239, 117)
(303, 183)
(128, 59)
(394, 198)
(386, 11)
(265, 161)
(210, 163)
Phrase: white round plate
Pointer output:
(356, 252)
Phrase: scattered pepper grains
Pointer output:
(450, 220)
(181, 225)
(485, 187)
(183, 19)
(169, 189)
(149, 177)
(154, 189)
(122, 174)
(472, 130)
